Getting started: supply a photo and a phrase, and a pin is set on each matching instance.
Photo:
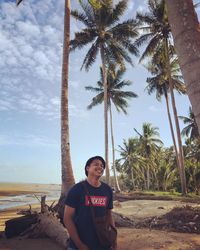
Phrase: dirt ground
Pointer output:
(128, 239)
(139, 209)
(145, 239)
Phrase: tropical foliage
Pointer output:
(191, 129)
(163, 171)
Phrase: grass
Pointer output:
(172, 194)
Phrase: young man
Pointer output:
(77, 216)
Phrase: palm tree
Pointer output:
(165, 169)
(67, 172)
(192, 152)
(191, 129)
(116, 96)
(132, 161)
(159, 83)
(109, 37)
(192, 149)
(185, 29)
(156, 30)
(149, 141)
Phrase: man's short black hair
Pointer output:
(89, 161)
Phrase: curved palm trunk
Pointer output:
(181, 155)
(185, 29)
(173, 136)
(113, 152)
(105, 112)
(67, 172)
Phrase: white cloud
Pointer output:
(27, 29)
(31, 38)
(5, 105)
(27, 140)
(30, 48)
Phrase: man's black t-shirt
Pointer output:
(101, 198)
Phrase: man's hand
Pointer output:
(83, 247)
(69, 223)
(114, 247)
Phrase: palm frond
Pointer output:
(179, 86)
(96, 101)
(117, 12)
(82, 18)
(126, 29)
(91, 56)
(93, 89)
(157, 141)
(151, 47)
(118, 76)
(120, 104)
(118, 52)
(18, 2)
(186, 131)
(125, 94)
(143, 39)
(130, 47)
(89, 11)
(81, 39)
(144, 18)
(122, 84)
(155, 86)
(197, 5)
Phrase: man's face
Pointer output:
(95, 169)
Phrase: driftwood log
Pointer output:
(16, 226)
(38, 224)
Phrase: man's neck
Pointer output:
(95, 182)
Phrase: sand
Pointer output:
(128, 239)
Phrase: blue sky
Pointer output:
(30, 80)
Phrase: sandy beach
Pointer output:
(128, 239)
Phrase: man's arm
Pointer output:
(112, 222)
(110, 217)
(69, 223)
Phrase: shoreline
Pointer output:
(20, 194)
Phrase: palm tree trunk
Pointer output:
(173, 136)
(67, 172)
(148, 177)
(132, 178)
(113, 152)
(105, 112)
(185, 29)
(181, 155)
(131, 168)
